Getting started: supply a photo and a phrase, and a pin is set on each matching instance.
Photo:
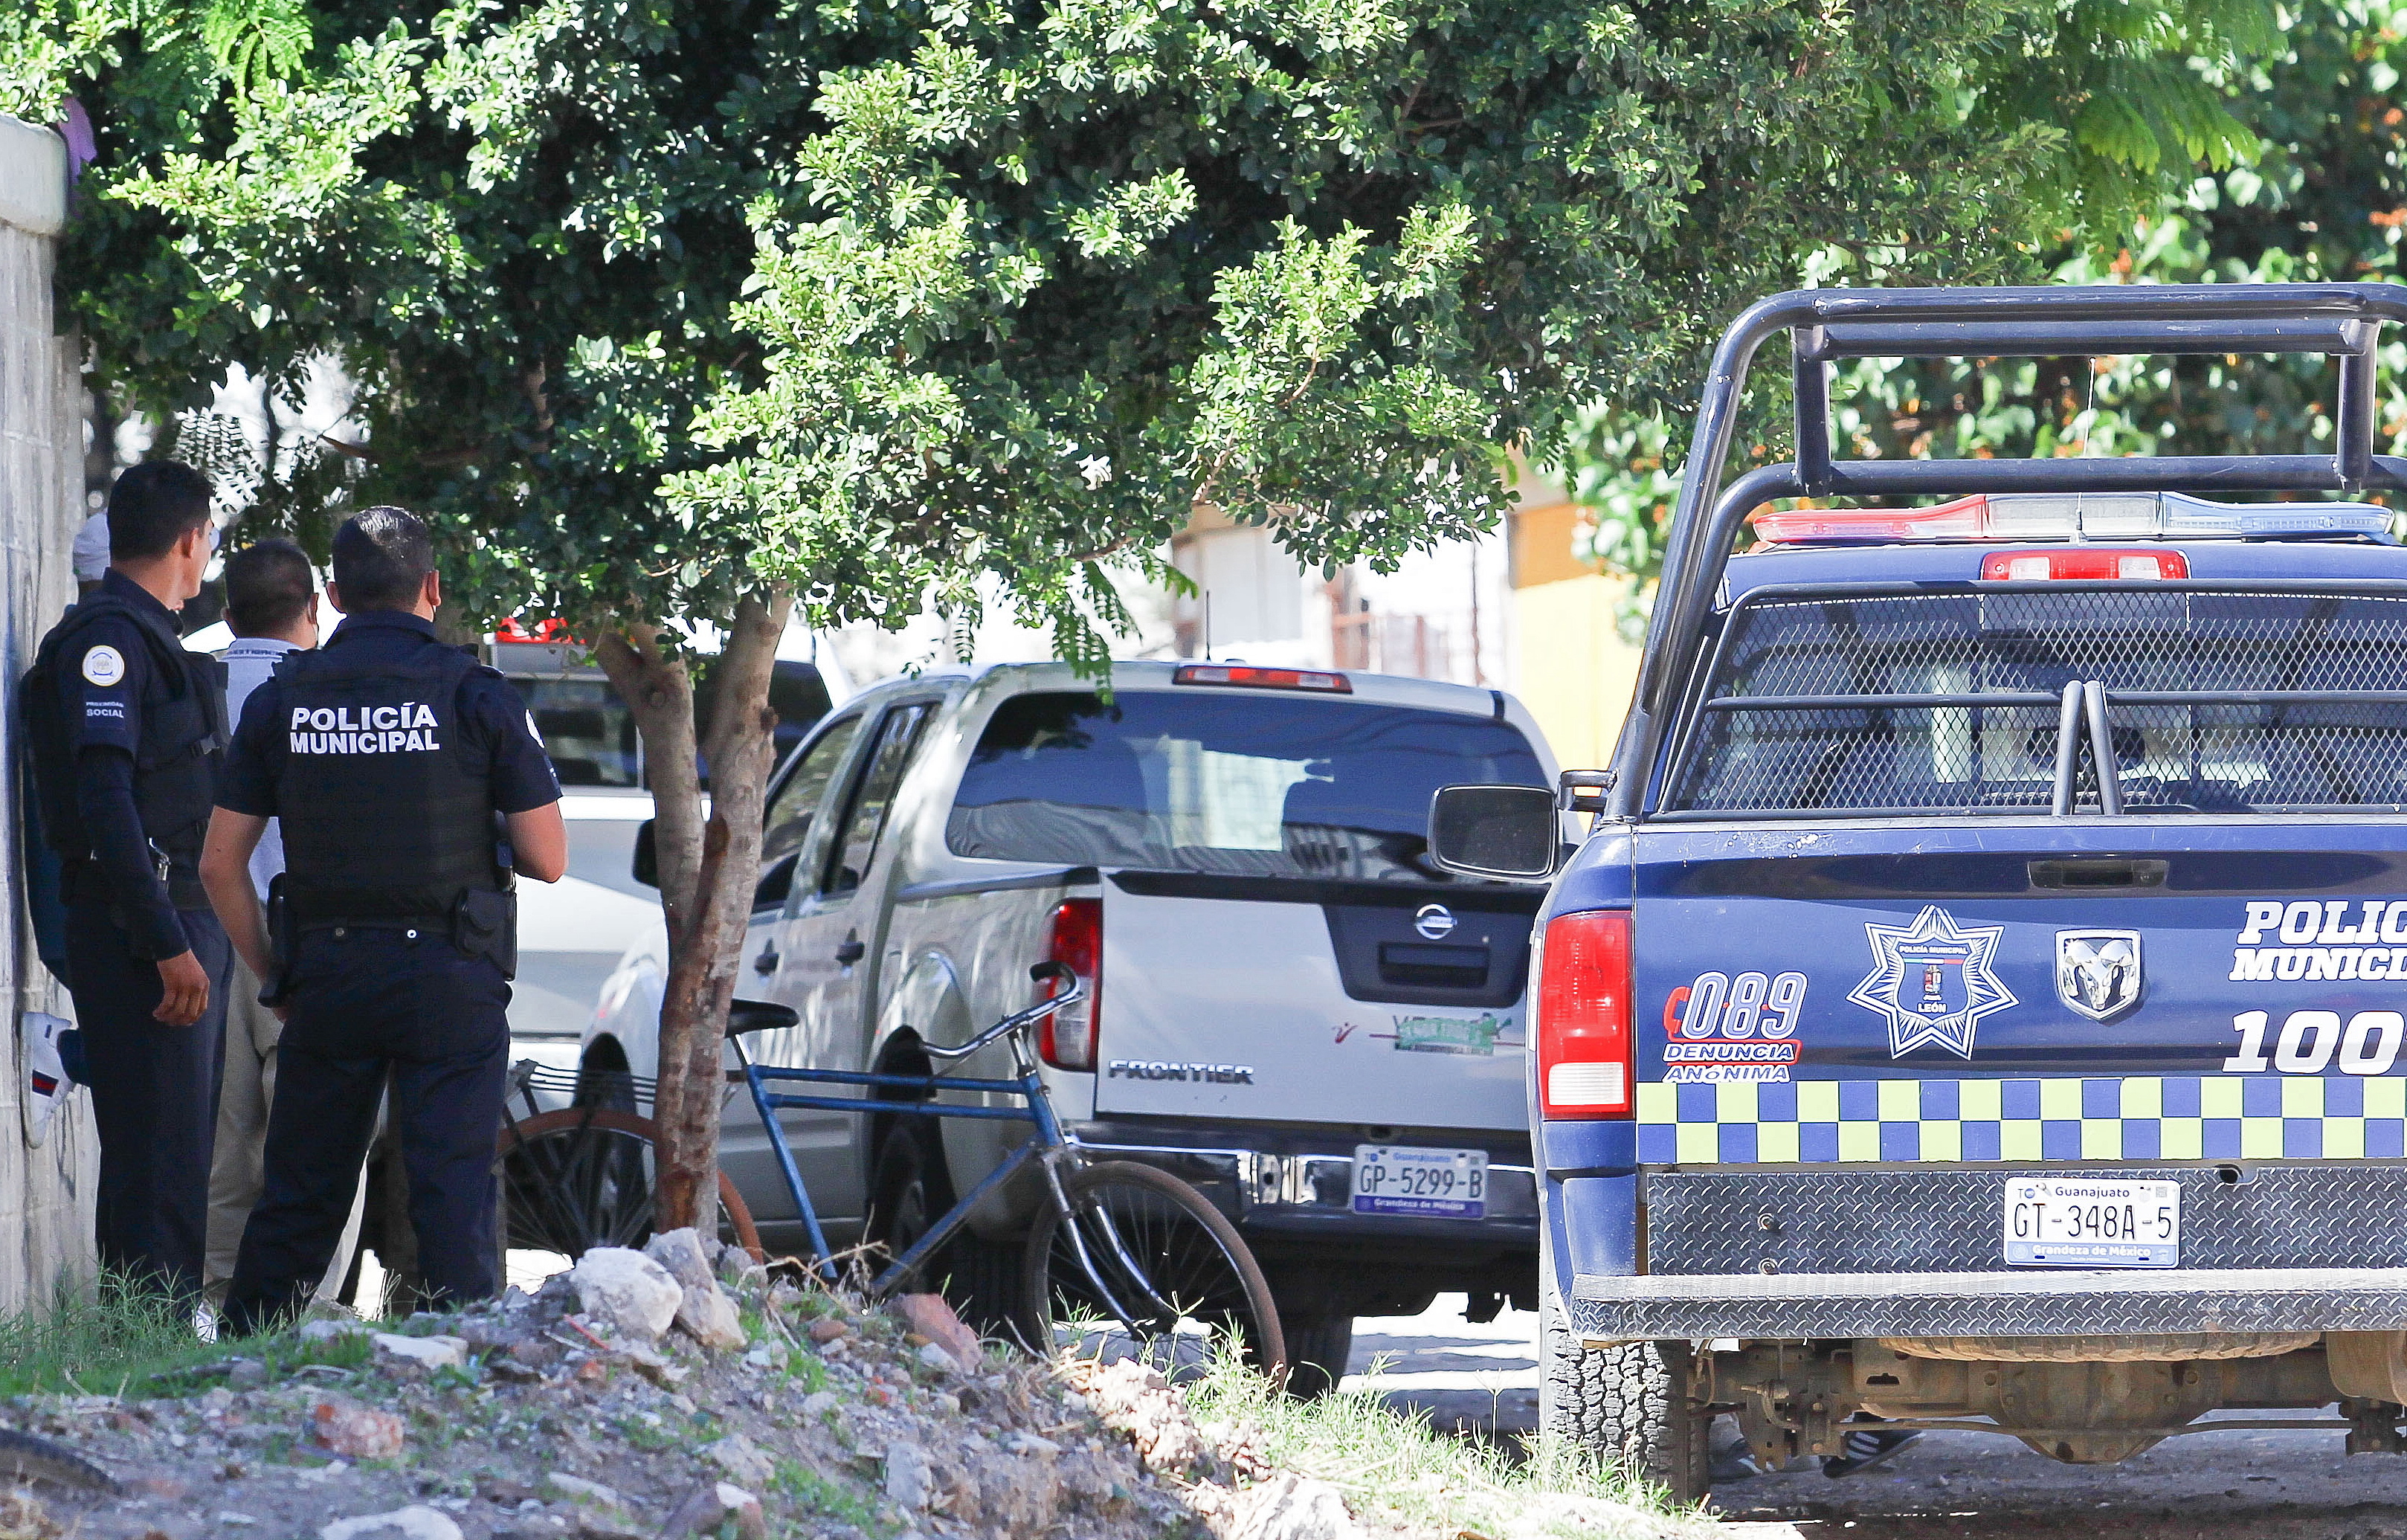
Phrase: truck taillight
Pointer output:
(2078, 564)
(1066, 1038)
(1584, 1067)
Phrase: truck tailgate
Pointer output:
(1312, 1003)
(2177, 988)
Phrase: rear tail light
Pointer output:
(2081, 563)
(1066, 1038)
(1264, 678)
(1584, 1064)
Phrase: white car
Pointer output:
(1292, 1008)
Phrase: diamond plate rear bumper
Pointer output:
(1753, 1306)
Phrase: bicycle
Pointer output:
(580, 1176)
(1116, 1240)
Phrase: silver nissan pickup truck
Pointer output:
(1288, 1004)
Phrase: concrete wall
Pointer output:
(46, 1195)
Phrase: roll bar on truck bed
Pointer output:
(2343, 321)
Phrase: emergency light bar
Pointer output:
(1264, 678)
(2076, 516)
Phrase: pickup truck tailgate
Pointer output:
(2067, 990)
(1232, 998)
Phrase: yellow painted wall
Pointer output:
(1576, 672)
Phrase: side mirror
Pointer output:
(645, 865)
(1507, 832)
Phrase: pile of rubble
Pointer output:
(680, 1390)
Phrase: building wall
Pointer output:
(1576, 673)
(46, 1195)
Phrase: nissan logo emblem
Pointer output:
(1436, 922)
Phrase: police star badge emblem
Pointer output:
(1932, 981)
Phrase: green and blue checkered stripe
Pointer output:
(2134, 1118)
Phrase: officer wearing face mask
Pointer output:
(125, 729)
(387, 757)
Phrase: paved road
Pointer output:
(2244, 1485)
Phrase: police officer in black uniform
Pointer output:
(388, 756)
(126, 729)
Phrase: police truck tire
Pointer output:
(1317, 1348)
(1626, 1405)
(540, 1160)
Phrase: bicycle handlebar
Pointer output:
(1055, 972)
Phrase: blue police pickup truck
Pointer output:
(1978, 1002)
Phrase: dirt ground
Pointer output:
(2243, 1484)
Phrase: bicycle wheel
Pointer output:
(579, 1178)
(1168, 1274)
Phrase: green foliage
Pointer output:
(2325, 197)
(657, 307)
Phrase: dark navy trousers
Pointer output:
(366, 1000)
(154, 1096)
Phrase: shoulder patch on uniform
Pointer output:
(104, 666)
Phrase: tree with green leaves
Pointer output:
(674, 315)
(2168, 111)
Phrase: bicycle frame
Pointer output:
(1027, 1085)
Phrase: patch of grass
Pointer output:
(1401, 1468)
(814, 1494)
(96, 1337)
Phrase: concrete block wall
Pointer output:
(46, 1195)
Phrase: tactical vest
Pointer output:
(175, 764)
(386, 811)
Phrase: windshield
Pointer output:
(586, 730)
(1263, 786)
(2215, 701)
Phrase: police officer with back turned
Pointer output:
(387, 756)
(126, 729)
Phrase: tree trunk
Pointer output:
(707, 870)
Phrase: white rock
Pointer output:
(326, 1331)
(910, 1480)
(578, 1490)
(709, 1318)
(933, 1356)
(680, 1252)
(1293, 1507)
(742, 1458)
(1031, 1444)
(426, 1352)
(819, 1403)
(627, 1290)
(415, 1522)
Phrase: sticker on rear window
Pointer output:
(1934, 981)
(1725, 1028)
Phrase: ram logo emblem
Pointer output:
(2097, 972)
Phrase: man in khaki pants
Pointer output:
(272, 608)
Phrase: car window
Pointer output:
(873, 793)
(1242, 785)
(586, 730)
(789, 821)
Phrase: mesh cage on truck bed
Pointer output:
(2254, 699)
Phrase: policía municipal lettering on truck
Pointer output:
(1980, 996)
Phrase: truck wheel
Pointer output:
(910, 1189)
(1626, 1405)
(1318, 1347)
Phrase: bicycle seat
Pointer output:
(745, 1016)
